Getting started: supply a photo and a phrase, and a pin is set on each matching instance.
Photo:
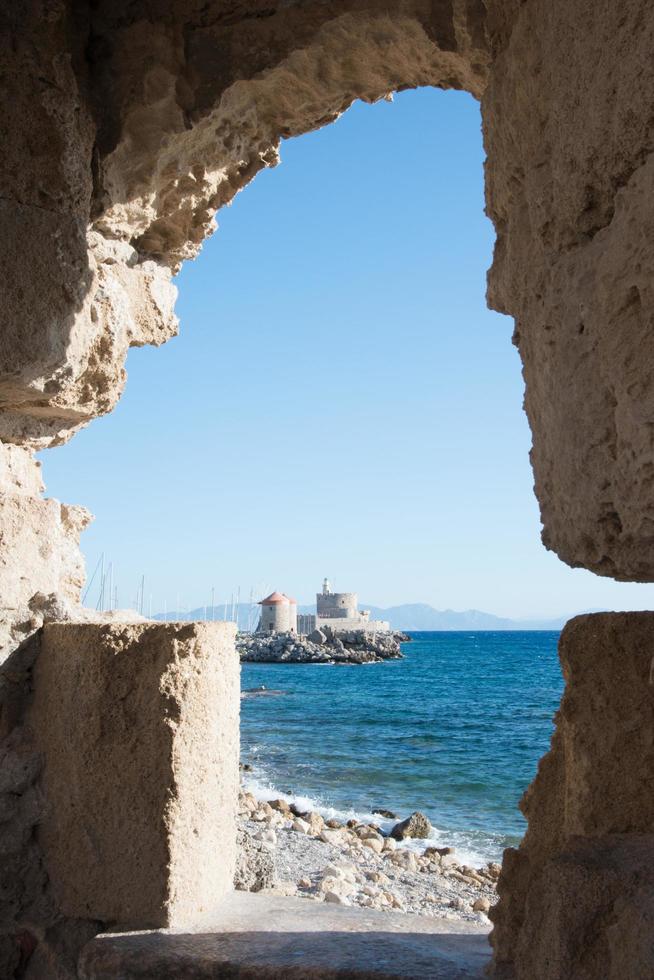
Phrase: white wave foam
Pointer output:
(474, 853)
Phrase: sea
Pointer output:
(455, 729)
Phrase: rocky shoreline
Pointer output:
(284, 851)
(323, 646)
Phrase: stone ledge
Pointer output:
(267, 936)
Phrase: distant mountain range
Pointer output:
(420, 616)
(411, 616)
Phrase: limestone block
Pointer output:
(596, 780)
(138, 728)
(590, 913)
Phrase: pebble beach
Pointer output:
(284, 851)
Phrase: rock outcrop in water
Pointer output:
(347, 647)
(416, 825)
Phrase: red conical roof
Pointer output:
(273, 599)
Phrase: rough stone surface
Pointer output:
(347, 647)
(39, 548)
(569, 131)
(125, 128)
(415, 825)
(137, 726)
(595, 783)
(255, 867)
(590, 913)
(139, 128)
(278, 938)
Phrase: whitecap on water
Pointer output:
(475, 853)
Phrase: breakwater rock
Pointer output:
(323, 646)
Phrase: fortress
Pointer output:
(337, 610)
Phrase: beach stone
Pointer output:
(346, 870)
(415, 825)
(440, 852)
(301, 826)
(337, 884)
(286, 888)
(405, 859)
(389, 844)
(334, 837)
(281, 806)
(331, 871)
(335, 899)
(377, 876)
(333, 824)
(364, 832)
(374, 844)
(316, 823)
(481, 905)
(386, 813)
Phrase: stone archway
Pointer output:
(129, 125)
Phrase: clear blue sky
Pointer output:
(339, 401)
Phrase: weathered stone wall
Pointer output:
(40, 563)
(126, 126)
(569, 131)
(146, 125)
(118, 784)
(578, 892)
(330, 605)
(126, 131)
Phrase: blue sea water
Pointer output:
(455, 729)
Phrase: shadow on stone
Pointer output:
(270, 936)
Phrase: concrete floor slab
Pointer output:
(294, 939)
